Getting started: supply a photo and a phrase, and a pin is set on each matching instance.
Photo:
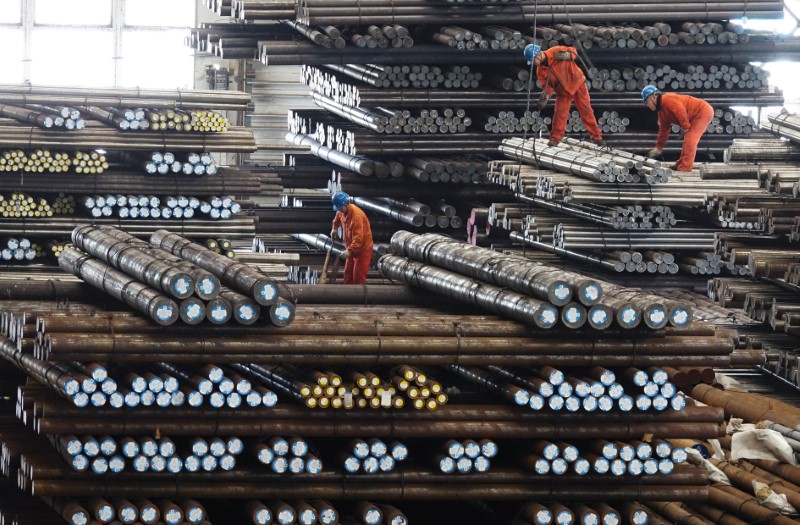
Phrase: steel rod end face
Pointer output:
(573, 315)
(282, 313)
(655, 316)
(590, 293)
(600, 316)
(559, 293)
(543, 517)
(219, 311)
(546, 316)
(680, 315)
(193, 311)
(640, 517)
(629, 316)
(678, 402)
(247, 313)
(536, 402)
(165, 312)
(207, 287)
(182, 286)
(565, 517)
(265, 292)
(521, 397)
(612, 518)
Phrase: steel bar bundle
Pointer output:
(577, 159)
(230, 180)
(400, 76)
(122, 97)
(785, 125)
(158, 307)
(46, 161)
(453, 285)
(238, 276)
(385, 121)
(288, 455)
(678, 77)
(766, 149)
(464, 457)
(534, 279)
(374, 455)
(354, 95)
(235, 140)
(317, 12)
(63, 226)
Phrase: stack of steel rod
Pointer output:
(230, 180)
(314, 12)
(350, 93)
(578, 158)
(678, 77)
(452, 268)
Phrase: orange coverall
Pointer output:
(358, 240)
(566, 79)
(693, 116)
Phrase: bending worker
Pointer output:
(692, 114)
(357, 238)
(558, 73)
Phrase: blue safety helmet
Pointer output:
(531, 50)
(647, 91)
(339, 199)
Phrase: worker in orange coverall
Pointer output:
(558, 73)
(357, 238)
(692, 114)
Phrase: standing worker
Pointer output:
(692, 114)
(357, 238)
(558, 73)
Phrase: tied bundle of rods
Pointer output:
(373, 456)
(46, 161)
(329, 389)
(20, 249)
(172, 268)
(108, 455)
(292, 455)
(597, 389)
(144, 511)
(152, 207)
(603, 457)
(161, 386)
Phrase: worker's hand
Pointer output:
(543, 100)
(653, 153)
(345, 254)
(334, 234)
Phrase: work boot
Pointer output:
(600, 142)
(552, 142)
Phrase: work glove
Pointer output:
(543, 100)
(653, 153)
(334, 234)
(345, 254)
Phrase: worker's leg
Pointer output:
(584, 106)
(362, 265)
(697, 126)
(560, 115)
(349, 267)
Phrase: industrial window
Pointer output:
(97, 43)
(173, 13)
(70, 57)
(11, 13)
(151, 59)
(83, 13)
(11, 44)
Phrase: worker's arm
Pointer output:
(542, 73)
(337, 222)
(663, 132)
